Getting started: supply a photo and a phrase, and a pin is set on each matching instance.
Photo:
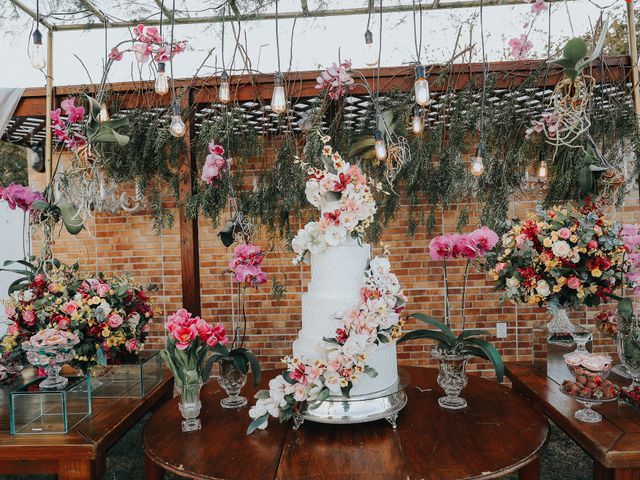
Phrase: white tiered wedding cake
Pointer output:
(350, 313)
(337, 275)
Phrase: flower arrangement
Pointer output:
(67, 131)
(215, 164)
(246, 265)
(346, 202)
(20, 196)
(336, 80)
(110, 316)
(148, 44)
(342, 359)
(562, 258)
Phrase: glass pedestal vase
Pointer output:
(629, 348)
(231, 380)
(452, 377)
(190, 405)
(51, 359)
(560, 329)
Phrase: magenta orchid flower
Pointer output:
(539, 6)
(115, 54)
(520, 46)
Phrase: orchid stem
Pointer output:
(446, 293)
(464, 290)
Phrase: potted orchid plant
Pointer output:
(453, 351)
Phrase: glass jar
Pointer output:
(190, 405)
(629, 347)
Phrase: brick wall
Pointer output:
(126, 243)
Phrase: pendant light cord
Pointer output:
(37, 14)
(484, 74)
(173, 82)
(377, 102)
(369, 15)
(224, 17)
(277, 37)
(417, 42)
(161, 9)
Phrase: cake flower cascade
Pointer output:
(343, 357)
(345, 198)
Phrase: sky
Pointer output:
(315, 43)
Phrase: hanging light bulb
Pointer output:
(542, 170)
(380, 147)
(477, 165)
(370, 52)
(278, 99)
(162, 83)
(103, 116)
(421, 87)
(38, 54)
(224, 92)
(177, 127)
(417, 122)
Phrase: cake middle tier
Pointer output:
(322, 316)
(337, 272)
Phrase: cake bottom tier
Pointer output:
(383, 360)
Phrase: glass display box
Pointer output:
(35, 410)
(133, 378)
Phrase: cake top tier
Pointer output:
(343, 195)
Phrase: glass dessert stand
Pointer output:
(587, 414)
(384, 404)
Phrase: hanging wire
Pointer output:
(484, 73)
(277, 37)
(377, 102)
(417, 42)
(37, 14)
(173, 82)
(370, 12)
(161, 10)
(224, 17)
(106, 43)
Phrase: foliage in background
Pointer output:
(150, 160)
(13, 164)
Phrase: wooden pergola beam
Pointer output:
(168, 13)
(302, 84)
(93, 9)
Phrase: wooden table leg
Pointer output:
(76, 469)
(531, 471)
(152, 471)
(600, 472)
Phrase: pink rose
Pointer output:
(29, 317)
(69, 308)
(574, 283)
(115, 320)
(10, 311)
(564, 233)
(63, 323)
(592, 245)
(102, 289)
(500, 266)
(12, 330)
(131, 345)
(146, 328)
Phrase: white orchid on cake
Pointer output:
(341, 359)
(345, 199)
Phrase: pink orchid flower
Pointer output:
(520, 46)
(115, 54)
(142, 51)
(539, 6)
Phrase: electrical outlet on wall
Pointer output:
(501, 330)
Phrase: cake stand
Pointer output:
(384, 404)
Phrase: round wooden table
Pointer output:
(498, 433)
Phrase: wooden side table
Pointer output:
(497, 434)
(81, 453)
(613, 443)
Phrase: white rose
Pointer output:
(134, 319)
(543, 288)
(355, 344)
(300, 241)
(312, 192)
(576, 257)
(507, 239)
(513, 282)
(349, 220)
(380, 265)
(335, 235)
(104, 306)
(561, 249)
(26, 295)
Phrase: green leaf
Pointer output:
(255, 367)
(439, 337)
(491, 354)
(429, 320)
(240, 362)
(361, 146)
(258, 422)
(70, 218)
(575, 50)
(39, 205)
(101, 358)
(370, 371)
(208, 366)
(261, 394)
(346, 391)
